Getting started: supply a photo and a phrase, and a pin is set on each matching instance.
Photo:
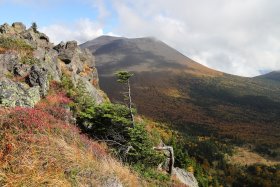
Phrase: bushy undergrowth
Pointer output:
(40, 147)
(111, 123)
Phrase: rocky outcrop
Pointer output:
(45, 62)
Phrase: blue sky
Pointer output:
(45, 13)
(235, 36)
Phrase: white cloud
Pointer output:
(236, 36)
(81, 31)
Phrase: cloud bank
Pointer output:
(81, 30)
(235, 36)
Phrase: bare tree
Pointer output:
(170, 156)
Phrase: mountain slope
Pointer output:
(142, 54)
(168, 86)
(274, 75)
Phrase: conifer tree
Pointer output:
(123, 77)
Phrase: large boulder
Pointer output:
(39, 77)
(7, 63)
(19, 27)
(95, 93)
(67, 52)
(185, 177)
(18, 94)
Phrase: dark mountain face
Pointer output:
(275, 75)
(168, 86)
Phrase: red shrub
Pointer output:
(58, 99)
(31, 119)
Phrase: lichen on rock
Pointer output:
(18, 94)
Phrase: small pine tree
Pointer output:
(123, 77)
(34, 26)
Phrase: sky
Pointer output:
(240, 37)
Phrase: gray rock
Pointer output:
(18, 94)
(60, 47)
(67, 51)
(51, 63)
(36, 39)
(39, 77)
(112, 182)
(21, 70)
(42, 36)
(18, 27)
(6, 29)
(95, 93)
(185, 177)
(7, 63)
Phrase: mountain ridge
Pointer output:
(273, 75)
(151, 50)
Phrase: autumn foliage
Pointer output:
(42, 146)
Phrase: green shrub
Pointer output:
(29, 60)
(150, 173)
(14, 44)
(112, 124)
(142, 151)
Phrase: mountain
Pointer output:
(274, 75)
(142, 55)
(57, 128)
(168, 86)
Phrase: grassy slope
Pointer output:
(40, 148)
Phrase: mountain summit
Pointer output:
(142, 55)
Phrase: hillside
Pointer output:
(169, 86)
(274, 75)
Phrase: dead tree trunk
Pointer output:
(171, 156)
(130, 103)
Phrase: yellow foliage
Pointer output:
(190, 169)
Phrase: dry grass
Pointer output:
(86, 71)
(53, 153)
(244, 156)
(173, 92)
(3, 50)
